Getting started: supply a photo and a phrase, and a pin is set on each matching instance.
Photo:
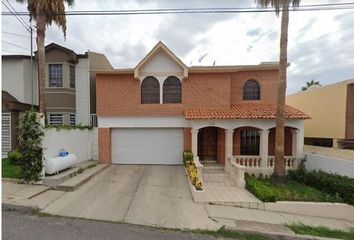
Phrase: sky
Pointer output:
(321, 45)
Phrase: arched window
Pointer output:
(251, 90)
(150, 90)
(172, 90)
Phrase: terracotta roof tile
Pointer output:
(244, 111)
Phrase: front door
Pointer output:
(207, 144)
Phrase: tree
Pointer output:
(310, 84)
(44, 13)
(283, 6)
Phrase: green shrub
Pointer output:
(333, 184)
(260, 190)
(30, 146)
(14, 157)
(187, 156)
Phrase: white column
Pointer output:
(264, 146)
(195, 146)
(294, 135)
(229, 137)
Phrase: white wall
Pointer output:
(82, 85)
(16, 79)
(330, 164)
(76, 141)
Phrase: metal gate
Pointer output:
(6, 134)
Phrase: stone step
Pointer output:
(55, 180)
(80, 179)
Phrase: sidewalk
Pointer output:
(26, 197)
(148, 206)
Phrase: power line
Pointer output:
(24, 36)
(15, 45)
(24, 22)
(17, 15)
(318, 7)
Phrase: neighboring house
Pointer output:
(151, 113)
(331, 109)
(70, 88)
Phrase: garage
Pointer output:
(147, 145)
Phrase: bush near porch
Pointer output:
(268, 191)
(192, 170)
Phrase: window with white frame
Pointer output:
(56, 119)
(55, 75)
(72, 76)
(72, 119)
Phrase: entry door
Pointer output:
(208, 144)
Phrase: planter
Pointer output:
(197, 194)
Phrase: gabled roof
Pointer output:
(244, 111)
(160, 46)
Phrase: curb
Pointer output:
(277, 236)
(20, 208)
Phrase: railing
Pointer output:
(248, 161)
(237, 173)
(289, 161)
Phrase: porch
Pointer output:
(249, 146)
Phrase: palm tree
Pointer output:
(310, 84)
(44, 12)
(283, 6)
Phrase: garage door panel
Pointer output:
(147, 146)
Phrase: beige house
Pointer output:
(332, 114)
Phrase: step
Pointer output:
(80, 179)
(55, 180)
(213, 171)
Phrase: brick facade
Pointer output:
(104, 143)
(187, 139)
(119, 94)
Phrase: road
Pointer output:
(16, 225)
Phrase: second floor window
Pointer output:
(55, 75)
(172, 90)
(150, 90)
(72, 76)
(251, 90)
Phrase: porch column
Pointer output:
(264, 147)
(229, 137)
(195, 146)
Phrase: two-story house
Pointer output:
(70, 89)
(150, 113)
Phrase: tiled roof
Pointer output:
(244, 111)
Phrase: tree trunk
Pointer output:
(279, 166)
(41, 25)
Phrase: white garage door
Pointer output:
(147, 145)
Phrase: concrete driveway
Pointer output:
(140, 194)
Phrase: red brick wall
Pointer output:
(187, 139)
(266, 79)
(119, 94)
(104, 143)
(288, 144)
(350, 112)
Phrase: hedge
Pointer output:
(333, 184)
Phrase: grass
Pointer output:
(268, 191)
(223, 233)
(9, 170)
(322, 231)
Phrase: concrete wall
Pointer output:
(330, 164)
(76, 141)
(326, 107)
(331, 152)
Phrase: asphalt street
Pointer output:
(16, 225)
